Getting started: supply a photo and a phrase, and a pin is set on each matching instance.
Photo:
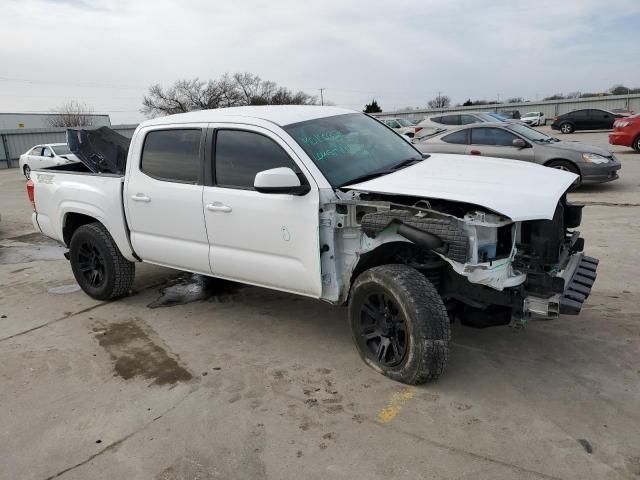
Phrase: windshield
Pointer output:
(529, 133)
(61, 149)
(530, 114)
(405, 123)
(498, 116)
(346, 147)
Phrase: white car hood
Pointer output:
(516, 189)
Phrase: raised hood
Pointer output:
(516, 189)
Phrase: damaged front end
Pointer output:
(488, 269)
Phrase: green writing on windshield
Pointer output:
(331, 143)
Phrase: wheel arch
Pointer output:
(74, 214)
(74, 220)
(559, 159)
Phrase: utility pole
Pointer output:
(322, 96)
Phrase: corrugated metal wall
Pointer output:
(550, 108)
(16, 142)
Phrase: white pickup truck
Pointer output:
(327, 203)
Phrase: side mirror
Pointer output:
(519, 143)
(279, 180)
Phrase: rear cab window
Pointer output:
(172, 155)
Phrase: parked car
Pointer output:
(326, 203)
(585, 119)
(626, 131)
(401, 125)
(510, 140)
(514, 114)
(45, 155)
(441, 122)
(535, 119)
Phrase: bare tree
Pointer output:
(71, 114)
(440, 101)
(227, 91)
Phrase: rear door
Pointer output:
(263, 239)
(497, 142)
(163, 197)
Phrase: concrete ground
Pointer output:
(252, 383)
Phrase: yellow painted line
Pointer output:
(394, 406)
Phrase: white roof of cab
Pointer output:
(278, 114)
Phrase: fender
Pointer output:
(117, 231)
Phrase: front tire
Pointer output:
(567, 166)
(97, 264)
(567, 128)
(636, 144)
(399, 324)
(27, 171)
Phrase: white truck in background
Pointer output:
(327, 203)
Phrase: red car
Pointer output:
(626, 131)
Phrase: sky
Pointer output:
(107, 53)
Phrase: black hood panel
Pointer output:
(101, 150)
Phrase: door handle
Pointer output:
(139, 197)
(218, 207)
(475, 152)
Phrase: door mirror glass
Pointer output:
(519, 143)
(279, 180)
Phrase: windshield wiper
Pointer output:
(384, 171)
(406, 163)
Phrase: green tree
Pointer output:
(372, 107)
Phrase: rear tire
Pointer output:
(567, 166)
(567, 128)
(97, 264)
(399, 324)
(636, 144)
(27, 171)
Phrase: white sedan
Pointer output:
(45, 155)
(534, 119)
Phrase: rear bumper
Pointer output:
(621, 138)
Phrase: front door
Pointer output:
(263, 239)
(163, 197)
(497, 142)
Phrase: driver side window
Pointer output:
(240, 155)
(492, 136)
(46, 152)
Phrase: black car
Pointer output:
(585, 119)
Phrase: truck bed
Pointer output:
(71, 191)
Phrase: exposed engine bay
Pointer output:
(488, 269)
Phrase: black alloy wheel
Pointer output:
(382, 330)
